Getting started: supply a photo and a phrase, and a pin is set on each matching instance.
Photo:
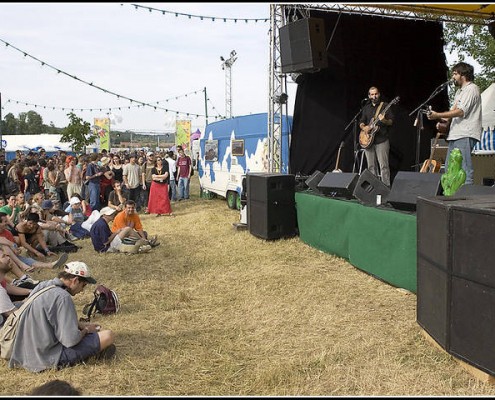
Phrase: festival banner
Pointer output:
(183, 134)
(102, 129)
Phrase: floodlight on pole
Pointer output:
(227, 67)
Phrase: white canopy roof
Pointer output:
(34, 142)
(488, 107)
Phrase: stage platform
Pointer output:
(378, 240)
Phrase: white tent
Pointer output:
(487, 143)
(50, 143)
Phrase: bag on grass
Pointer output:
(105, 302)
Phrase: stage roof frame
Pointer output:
(466, 13)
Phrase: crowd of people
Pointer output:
(47, 204)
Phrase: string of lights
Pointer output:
(109, 109)
(59, 71)
(214, 109)
(201, 17)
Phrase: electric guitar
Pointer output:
(367, 136)
(431, 165)
(338, 159)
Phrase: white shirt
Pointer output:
(171, 167)
(468, 99)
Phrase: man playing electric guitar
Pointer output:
(379, 149)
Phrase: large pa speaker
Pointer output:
(314, 180)
(303, 46)
(271, 207)
(407, 186)
(368, 187)
(338, 184)
(473, 323)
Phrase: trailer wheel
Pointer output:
(238, 204)
(232, 199)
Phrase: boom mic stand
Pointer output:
(353, 122)
(418, 123)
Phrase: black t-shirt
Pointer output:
(164, 169)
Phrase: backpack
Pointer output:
(9, 329)
(105, 302)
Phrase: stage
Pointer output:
(379, 240)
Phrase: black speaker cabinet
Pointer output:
(473, 323)
(407, 186)
(271, 211)
(314, 180)
(368, 187)
(303, 46)
(472, 227)
(338, 184)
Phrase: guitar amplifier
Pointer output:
(440, 154)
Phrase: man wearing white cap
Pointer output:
(104, 241)
(50, 335)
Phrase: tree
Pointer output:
(34, 123)
(10, 125)
(476, 42)
(79, 133)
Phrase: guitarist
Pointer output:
(464, 117)
(380, 147)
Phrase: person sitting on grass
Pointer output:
(31, 237)
(128, 218)
(50, 335)
(106, 241)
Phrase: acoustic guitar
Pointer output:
(432, 165)
(337, 169)
(443, 125)
(367, 136)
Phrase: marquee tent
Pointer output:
(487, 143)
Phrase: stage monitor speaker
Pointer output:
(368, 187)
(303, 46)
(338, 184)
(271, 207)
(314, 180)
(469, 190)
(407, 186)
(473, 323)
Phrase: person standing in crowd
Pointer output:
(106, 180)
(379, 149)
(159, 203)
(133, 179)
(73, 174)
(146, 177)
(93, 176)
(184, 167)
(464, 117)
(116, 167)
(30, 185)
(3, 174)
(169, 158)
(49, 334)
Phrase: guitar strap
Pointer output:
(378, 110)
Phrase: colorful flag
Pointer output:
(102, 129)
(183, 134)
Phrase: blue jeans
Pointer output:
(173, 190)
(183, 188)
(94, 195)
(465, 145)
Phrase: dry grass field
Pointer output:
(217, 312)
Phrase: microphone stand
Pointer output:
(353, 122)
(418, 123)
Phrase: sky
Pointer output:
(147, 56)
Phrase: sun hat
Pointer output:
(79, 268)
(107, 211)
(74, 200)
(105, 160)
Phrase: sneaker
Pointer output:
(25, 282)
(61, 261)
(107, 354)
(144, 248)
(72, 238)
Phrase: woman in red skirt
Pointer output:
(159, 202)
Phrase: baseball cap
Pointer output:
(107, 211)
(47, 204)
(79, 268)
(74, 200)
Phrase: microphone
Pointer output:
(366, 99)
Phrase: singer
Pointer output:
(464, 118)
(379, 150)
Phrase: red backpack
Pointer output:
(105, 302)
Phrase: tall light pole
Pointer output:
(227, 66)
